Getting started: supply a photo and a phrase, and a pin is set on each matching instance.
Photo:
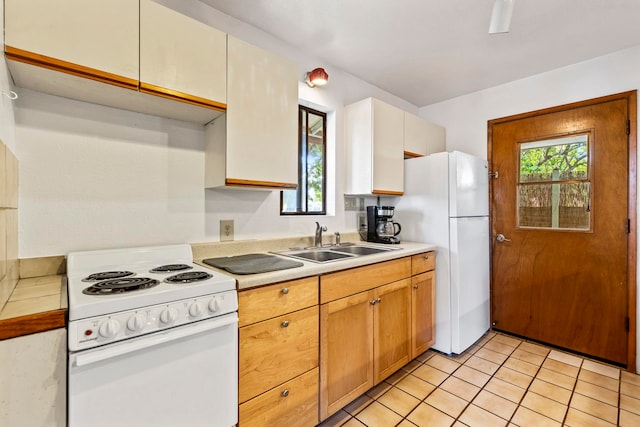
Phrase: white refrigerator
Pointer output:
(446, 202)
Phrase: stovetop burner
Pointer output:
(189, 277)
(120, 286)
(169, 268)
(107, 275)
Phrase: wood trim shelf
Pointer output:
(411, 154)
(32, 323)
(233, 182)
(48, 62)
(388, 193)
(182, 97)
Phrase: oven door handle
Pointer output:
(118, 349)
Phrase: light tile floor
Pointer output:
(500, 381)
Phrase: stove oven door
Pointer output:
(185, 376)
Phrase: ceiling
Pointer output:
(426, 51)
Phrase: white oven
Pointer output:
(163, 355)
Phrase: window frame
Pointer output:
(303, 148)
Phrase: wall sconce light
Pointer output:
(316, 77)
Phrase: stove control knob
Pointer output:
(136, 322)
(214, 305)
(195, 309)
(109, 328)
(168, 315)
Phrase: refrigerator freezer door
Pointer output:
(468, 185)
(469, 279)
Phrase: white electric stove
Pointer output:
(144, 321)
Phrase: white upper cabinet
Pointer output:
(375, 148)
(181, 57)
(136, 45)
(256, 143)
(422, 138)
(99, 36)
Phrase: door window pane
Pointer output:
(554, 190)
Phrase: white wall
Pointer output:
(465, 118)
(94, 177)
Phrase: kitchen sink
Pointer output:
(361, 250)
(319, 255)
(334, 253)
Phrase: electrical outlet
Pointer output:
(349, 204)
(362, 222)
(226, 230)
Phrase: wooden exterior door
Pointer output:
(563, 251)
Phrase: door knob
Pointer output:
(500, 238)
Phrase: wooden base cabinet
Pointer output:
(423, 294)
(346, 351)
(294, 403)
(278, 355)
(365, 337)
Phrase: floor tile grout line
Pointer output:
(462, 362)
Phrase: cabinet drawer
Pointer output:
(423, 262)
(348, 282)
(293, 404)
(255, 305)
(276, 350)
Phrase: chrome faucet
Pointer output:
(319, 229)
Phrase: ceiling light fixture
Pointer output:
(501, 16)
(316, 77)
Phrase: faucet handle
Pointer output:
(337, 233)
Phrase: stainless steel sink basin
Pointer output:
(334, 253)
(318, 255)
(360, 250)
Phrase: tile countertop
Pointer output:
(246, 281)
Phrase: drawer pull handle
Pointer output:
(285, 291)
(285, 323)
(284, 393)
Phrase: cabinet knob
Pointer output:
(375, 301)
(378, 300)
(426, 257)
(415, 286)
(285, 291)
(285, 323)
(284, 393)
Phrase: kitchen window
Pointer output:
(310, 196)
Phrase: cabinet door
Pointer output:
(181, 58)
(93, 38)
(292, 404)
(388, 149)
(262, 118)
(392, 328)
(346, 346)
(276, 350)
(422, 138)
(423, 313)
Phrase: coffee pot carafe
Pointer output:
(388, 228)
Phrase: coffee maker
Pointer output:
(380, 227)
